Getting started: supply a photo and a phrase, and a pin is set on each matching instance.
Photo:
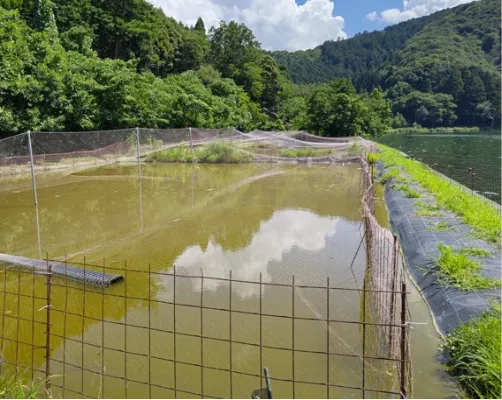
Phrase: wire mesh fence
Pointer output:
(483, 183)
(177, 333)
(72, 333)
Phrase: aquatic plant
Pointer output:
(474, 355)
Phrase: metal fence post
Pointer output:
(403, 341)
(32, 165)
(191, 143)
(137, 144)
(48, 330)
(139, 181)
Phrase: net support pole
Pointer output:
(32, 165)
(140, 189)
(403, 342)
(191, 144)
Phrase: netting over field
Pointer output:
(60, 150)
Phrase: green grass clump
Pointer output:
(15, 389)
(221, 152)
(474, 351)
(461, 272)
(474, 251)
(441, 226)
(428, 213)
(304, 152)
(484, 219)
(218, 152)
(388, 175)
(180, 153)
(407, 190)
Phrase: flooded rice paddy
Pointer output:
(261, 222)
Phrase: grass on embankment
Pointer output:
(474, 351)
(420, 130)
(458, 270)
(218, 152)
(483, 218)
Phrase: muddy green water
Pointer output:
(253, 220)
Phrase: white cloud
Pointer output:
(285, 230)
(277, 24)
(413, 9)
(372, 16)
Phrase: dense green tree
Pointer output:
(200, 27)
(271, 78)
(44, 17)
(46, 87)
(427, 109)
(377, 114)
(11, 4)
(231, 46)
(336, 110)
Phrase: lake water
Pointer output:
(454, 154)
(266, 222)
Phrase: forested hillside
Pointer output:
(95, 64)
(439, 70)
(109, 64)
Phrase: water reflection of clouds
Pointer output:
(277, 236)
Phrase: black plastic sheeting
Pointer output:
(419, 242)
(82, 275)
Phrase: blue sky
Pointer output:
(354, 12)
(303, 24)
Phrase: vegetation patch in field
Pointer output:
(218, 152)
(482, 217)
(407, 190)
(474, 251)
(305, 152)
(441, 226)
(427, 210)
(474, 355)
(458, 270)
